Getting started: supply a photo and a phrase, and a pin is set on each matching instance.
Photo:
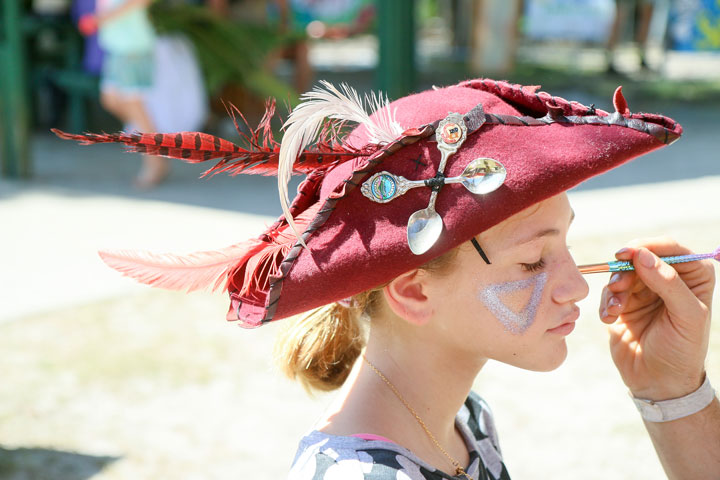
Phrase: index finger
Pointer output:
(662, 246)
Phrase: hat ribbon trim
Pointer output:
(663, 128)
(662, 134)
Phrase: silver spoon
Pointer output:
(482, 175)
(424, 226)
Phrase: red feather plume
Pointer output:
(246, 267)
(196, 271)
(259, 158)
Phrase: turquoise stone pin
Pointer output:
(383, 187)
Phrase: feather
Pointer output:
(387, 129)
(308, 119)
(196, 271)
(260, 157)
(252, 262)
(251, 277)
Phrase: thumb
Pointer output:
(665, 281)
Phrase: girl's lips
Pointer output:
(564, 329)
(569, 323)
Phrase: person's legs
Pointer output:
(645, 12)
(126, 77)
(303, 69)
(113, 103)
(615, 32)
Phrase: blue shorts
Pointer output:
(128, 73)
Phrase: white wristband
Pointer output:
(668, 410)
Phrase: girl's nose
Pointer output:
(570, 287)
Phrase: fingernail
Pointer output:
(615, 277)
(646, 258)
(603, 314)
(614, 302)
(622, 251)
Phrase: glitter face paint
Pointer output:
(514, 322)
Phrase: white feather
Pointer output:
(303, 126)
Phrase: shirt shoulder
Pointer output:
(477, 420)
(480, 420)
(328, 457)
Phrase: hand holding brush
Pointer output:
(626, 266)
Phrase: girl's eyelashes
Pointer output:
(533, 267)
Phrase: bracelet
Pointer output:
(668, 410)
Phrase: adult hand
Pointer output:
(660, 320)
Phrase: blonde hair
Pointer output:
(320, 348)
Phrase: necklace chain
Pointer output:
(458, 469)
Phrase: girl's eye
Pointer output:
(533, 267)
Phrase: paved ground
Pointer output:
(104, 379)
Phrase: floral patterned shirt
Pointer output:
(322, 456)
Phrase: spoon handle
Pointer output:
(445, 151)
(433, 197)
(445, 154)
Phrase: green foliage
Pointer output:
(230, 53)
(427, 9)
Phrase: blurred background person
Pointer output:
(316, 19)
(640, 12)
(128, 40)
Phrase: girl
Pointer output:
(128, 40)
(430, 240)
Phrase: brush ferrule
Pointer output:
(621, 266)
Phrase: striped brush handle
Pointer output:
(627, 266)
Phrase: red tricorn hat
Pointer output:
(505, 148)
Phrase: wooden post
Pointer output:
(14, 99)
(494, 35)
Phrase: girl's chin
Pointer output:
(544, 362)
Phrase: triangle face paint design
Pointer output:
(514, 322)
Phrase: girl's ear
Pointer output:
(406, 297)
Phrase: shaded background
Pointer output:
(105, 379)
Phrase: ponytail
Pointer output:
(320, 348)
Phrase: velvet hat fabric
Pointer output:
(351, 244)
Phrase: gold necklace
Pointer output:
(458, 469)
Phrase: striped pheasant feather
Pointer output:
(260, 157)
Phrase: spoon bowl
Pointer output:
(483, 175)
(423, 230)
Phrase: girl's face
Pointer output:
(518, 309)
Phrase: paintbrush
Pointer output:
(627, 266)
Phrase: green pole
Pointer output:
(76, 100)
(395, 74)
(15, 105)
